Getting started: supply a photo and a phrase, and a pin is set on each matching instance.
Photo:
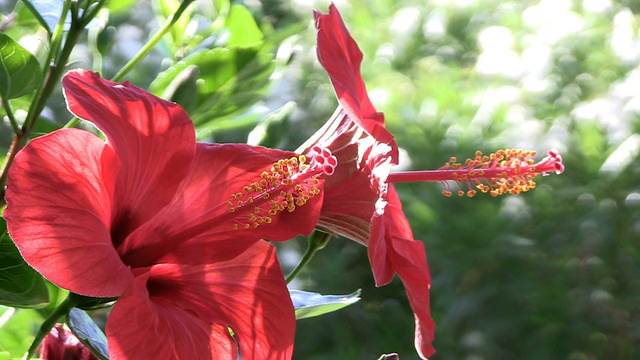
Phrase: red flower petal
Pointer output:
(247, 293)
(59, 210)
(350, 196)
(365, 152)
(340, 56)
(142, 327)
(200, 212)
(407, 257)
(153, 138)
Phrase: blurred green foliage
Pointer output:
(549, 274)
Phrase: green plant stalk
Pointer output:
(317, 241)
(72, 123)
(97, 56)
(88, 16)
(146, 49)
(58, 35)
(12, 118)
(40, 98)
(48, 324)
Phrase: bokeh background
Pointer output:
(549, 274)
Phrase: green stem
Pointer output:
(47, 325)
(4, 172)
(73, 122)
(146, 49)
(54, 77)
(57, 35)
(317, 241)
(92, 12)
(12, 118)
(93, 44)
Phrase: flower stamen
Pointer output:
(509, 171)
(289, 183)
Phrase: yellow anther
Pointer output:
(285, 186)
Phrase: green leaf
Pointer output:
(88, 332)
(20, 71)
(270, 131)
(167, 8)
(246, 120)
(20, 285)
(227, 81)
(310, 304)
(242, 27)
(119, 6)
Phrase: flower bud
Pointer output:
(62, 344)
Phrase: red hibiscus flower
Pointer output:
(169, 226)
(360, 201)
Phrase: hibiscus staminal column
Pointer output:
(509, 171)
(289, 184)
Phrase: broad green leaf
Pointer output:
(88, 332)
(227, 81)
(245, 120)
(183, 89)
(118, 6)
(270, 130)
(20, 71)
(20, 285)
(242, 27)
(310, 304)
